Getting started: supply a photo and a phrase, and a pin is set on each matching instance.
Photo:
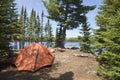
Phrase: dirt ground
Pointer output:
(68, 65)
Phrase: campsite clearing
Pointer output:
(68, 65)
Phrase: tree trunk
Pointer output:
(63, 38)
(64, 27)
(21, 44)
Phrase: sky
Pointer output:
(39, 6)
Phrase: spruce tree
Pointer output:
(9, 29)
(57, 38)
(25, 24)
(34, 27)
(48, 33)
(21, 24)
(107, 39)
(41, 29)
(38, 27)
(31, 28)
(50, 36)
(85, 37)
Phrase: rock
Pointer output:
(74, 48)
(61, 49)
(52, 50)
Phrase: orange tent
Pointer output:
(33, 57)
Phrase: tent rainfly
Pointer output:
(33, 57)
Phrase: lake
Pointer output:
(72, 44)
(15, 45)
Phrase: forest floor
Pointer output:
(68, 65)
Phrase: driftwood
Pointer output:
(80, 55)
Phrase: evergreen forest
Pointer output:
(69, 14)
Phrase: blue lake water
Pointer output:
(72, 44)
(15, 45)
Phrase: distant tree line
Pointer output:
(72, 39)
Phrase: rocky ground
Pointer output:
(68, 65)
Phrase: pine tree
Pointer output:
(38, 27)
(57, 38)
(31, 28)
(107, 39)
(34, 27)
(50, 36)
(69, 14)
(9, 30)
(41, 29)
(48, 33)
(21, 24)
(25, 24)
(85, 38)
